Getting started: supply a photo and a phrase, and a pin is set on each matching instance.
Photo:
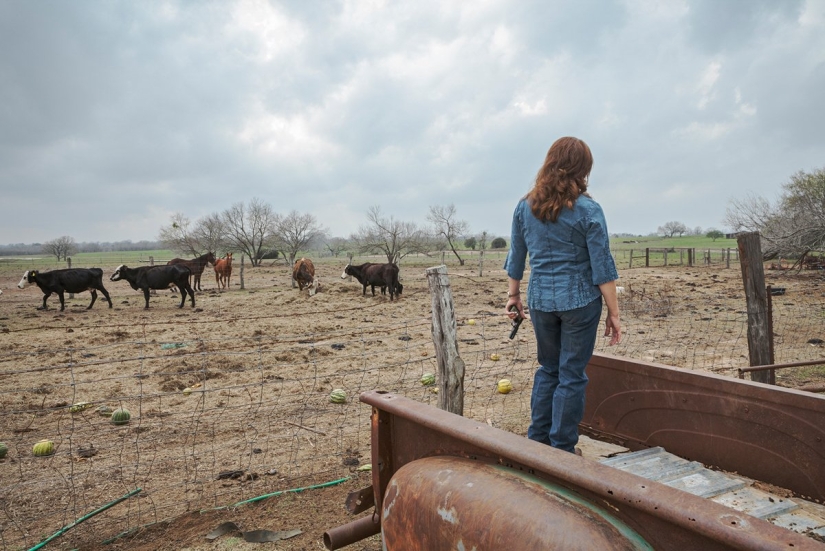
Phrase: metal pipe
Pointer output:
(357, 530)
(743, 370)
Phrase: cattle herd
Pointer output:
(185, 275)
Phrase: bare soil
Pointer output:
(249, 348)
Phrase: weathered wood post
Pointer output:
(647, 257)
(665, 255)
(753, 277)
(727, 257)
(69, 265)
(450, 365)
(243, 256)
(480, 262)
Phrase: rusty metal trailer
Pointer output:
(441, 481)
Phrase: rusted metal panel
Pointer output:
(447, 503)
(768, 433)
(405, 430)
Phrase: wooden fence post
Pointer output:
(753, 277)
(243, 256)
(480, 263)
(647, 257)
(69, 263)
(450, 365)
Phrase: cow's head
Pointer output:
(117, 275)
(347, 271)
(314, 286)
(28, 278)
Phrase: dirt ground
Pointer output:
(246, 353)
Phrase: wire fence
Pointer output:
(221, 416)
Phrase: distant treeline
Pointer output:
(17, 249)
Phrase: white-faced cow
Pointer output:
(374, 275)
(145, 278)
(73, 280)
(304, 273)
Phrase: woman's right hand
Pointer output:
(519, 308)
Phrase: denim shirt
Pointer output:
(569, 258)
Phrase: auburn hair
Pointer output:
(561, 179)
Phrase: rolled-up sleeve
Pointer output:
(517, 256)
(598, 246)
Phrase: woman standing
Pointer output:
(571, 271)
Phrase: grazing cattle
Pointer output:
(74, 280)
(375, 275)
(304, 273)
(196, 266)
(223, 271)
(398, 288)
(145, 278)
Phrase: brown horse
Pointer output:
(223, 271)
(196, 265)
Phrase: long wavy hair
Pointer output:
(562, 178)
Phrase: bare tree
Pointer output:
(62, 247)
(443, 220)
(178, 236)
(294, 232)
(210, 234)
(336, 245)
(794, 225)
(672, 228)
(392, 237)
(250, 229)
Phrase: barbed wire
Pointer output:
(217, 419)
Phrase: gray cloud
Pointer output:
(113, 116)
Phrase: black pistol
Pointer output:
(516, 321)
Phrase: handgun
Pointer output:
(516, 321)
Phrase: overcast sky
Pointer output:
(116, 115)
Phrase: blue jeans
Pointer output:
(565, 342)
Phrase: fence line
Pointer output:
(257, 417)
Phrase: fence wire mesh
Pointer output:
(234, 403)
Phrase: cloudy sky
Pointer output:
(116, 115)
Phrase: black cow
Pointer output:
(375, 275)
(74, 280)
(157, 277)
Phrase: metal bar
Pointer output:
(357, 530)
(780, 366)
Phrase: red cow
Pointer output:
(304, 273)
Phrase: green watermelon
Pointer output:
(121, 416)
(4, 449)
(338, 396)
(43, 448)
(428, 379)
